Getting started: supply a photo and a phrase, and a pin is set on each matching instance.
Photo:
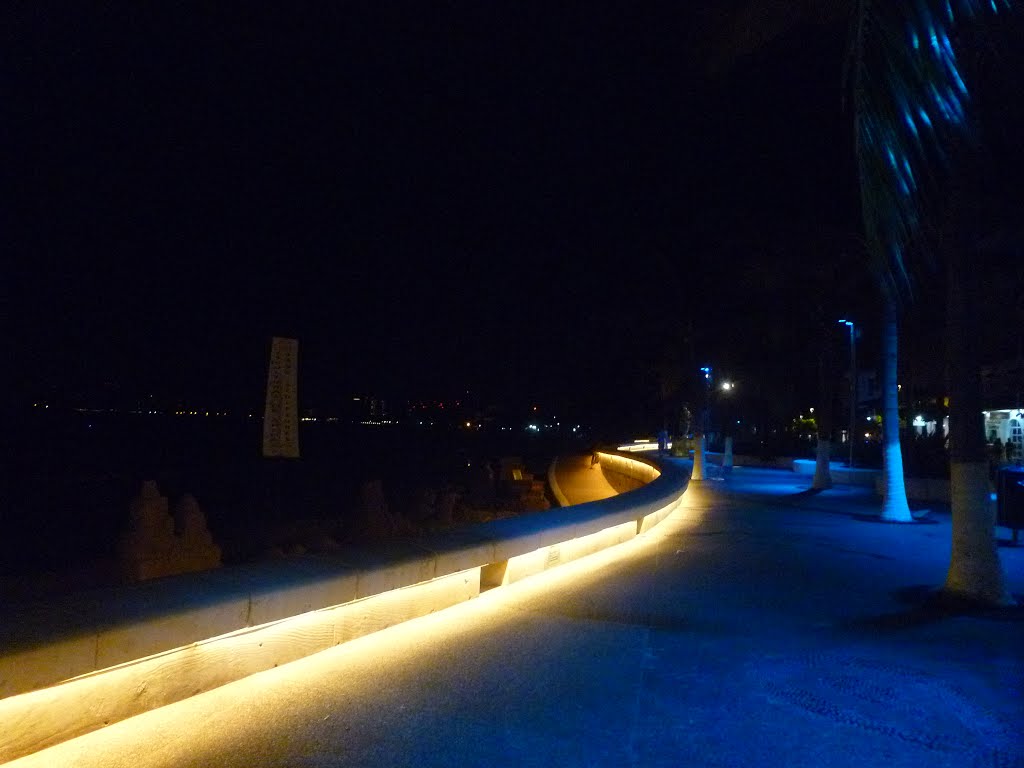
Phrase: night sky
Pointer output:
(520, 199)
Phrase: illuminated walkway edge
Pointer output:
(69, 667)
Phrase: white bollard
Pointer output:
(698, 459)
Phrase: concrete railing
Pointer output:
(917, 488)
(75, 664)
(746, 460)
(921, 488)
(840, 475)
(639, 468)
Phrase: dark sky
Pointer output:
(533, 198)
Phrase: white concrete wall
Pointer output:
(746, 460)
(918, 488)
(73, 665)
(922, 488)
(638, 468)
(840, 475)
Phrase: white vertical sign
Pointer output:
(281, 415)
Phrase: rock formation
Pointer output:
(157, 544)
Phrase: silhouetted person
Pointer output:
(995, 458)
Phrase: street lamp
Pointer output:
(853, 382)
(697, 473)
(705, 417)
(726, 415)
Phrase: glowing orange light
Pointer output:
(57, 712)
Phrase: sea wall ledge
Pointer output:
(74, 664)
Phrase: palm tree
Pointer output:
(822, 274)
(915, 143)
(894, 493)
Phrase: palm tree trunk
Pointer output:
(975, 572)
(894, 492)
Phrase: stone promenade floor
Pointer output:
(760, 626)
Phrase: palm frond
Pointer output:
(911, 108)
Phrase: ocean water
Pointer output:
(70, 476)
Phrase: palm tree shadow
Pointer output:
(918, 519)
(929, 605)
(807, 493)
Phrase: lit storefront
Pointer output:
(1006, 425)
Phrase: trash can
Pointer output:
(1010, 499)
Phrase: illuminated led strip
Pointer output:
(41, 718)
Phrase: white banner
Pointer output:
(281, 415)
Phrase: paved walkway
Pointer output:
(759, 626)
(579, 481)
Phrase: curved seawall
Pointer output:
(73, 665)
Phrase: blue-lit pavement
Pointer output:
(760, 626)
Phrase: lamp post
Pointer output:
(725, 392)
(706, 416)
(853, 382)
(727, 388)
(697, 473)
